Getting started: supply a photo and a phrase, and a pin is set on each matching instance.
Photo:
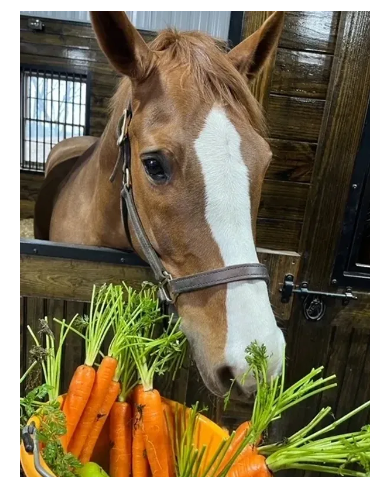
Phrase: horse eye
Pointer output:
(154, 169)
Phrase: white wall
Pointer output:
(214, 23)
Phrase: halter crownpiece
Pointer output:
(170, 288)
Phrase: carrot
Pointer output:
(170, 437)
(120, 439)
(76, 399)
(140, 464)
(104, 376)
(102, 416)
(235, 444)
(84, 378)
(154, 432)
(249, 465)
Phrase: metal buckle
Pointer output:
(124, 129)
(127, 182)
(166, 295)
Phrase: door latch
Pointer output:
(314, 305)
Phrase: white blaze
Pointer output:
(228, 213)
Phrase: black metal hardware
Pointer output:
(35, 24)
(314, 306)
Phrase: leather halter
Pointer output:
(170, 288)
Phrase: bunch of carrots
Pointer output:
(113, 392)
(121, 390)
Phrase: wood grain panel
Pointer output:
(72, 279)
(278, 234)
(73, 29)
(260, 85)
(310, 30)
(283, 200)
(341, 132)
(356, 313)
(294, 118)
(291, 160)
(301, 74)
(279, 263)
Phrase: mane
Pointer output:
(204, 59)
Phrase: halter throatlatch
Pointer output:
(170, 287)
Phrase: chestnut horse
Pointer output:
(198, 160)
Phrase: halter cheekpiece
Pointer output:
(170, 287)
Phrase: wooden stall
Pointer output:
(315, 92)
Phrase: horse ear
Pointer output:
(121, 43)
(251, 54)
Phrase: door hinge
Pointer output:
(314, 305)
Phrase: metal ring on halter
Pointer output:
(127, 178)
(168, 296)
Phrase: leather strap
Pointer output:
(235, 273)
(170, 288)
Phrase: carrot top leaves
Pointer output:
(345, 454)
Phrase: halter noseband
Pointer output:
(170, 288)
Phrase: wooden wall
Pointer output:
(294, 111)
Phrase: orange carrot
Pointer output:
(76, 399)
(120, 439)
(104, 376)
(140, 464)
(102, 416)
(236, 442)
(101, 452)
(169, 425)
(249, 465)
(154, 431)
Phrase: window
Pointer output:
(352, 266)
(53, 107)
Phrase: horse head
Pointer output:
(198, 160)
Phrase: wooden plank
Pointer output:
(30, 185)
(260, 85)
(279, 263)
(283, 200)
(95, 57)
(294, 118)
(34, 312)
(302, 74)
(362, 396)
(291, 160)
(310, 30)
(355, 314)
(278, 234)
(336, 364)
(75, 29)
(73, 279)
(79, 66)
(354, 367)
(339, 141)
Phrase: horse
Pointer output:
(198, 160)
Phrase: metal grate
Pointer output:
(53, 107)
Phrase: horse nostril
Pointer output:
(225, 376)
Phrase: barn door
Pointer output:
(332, 236)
